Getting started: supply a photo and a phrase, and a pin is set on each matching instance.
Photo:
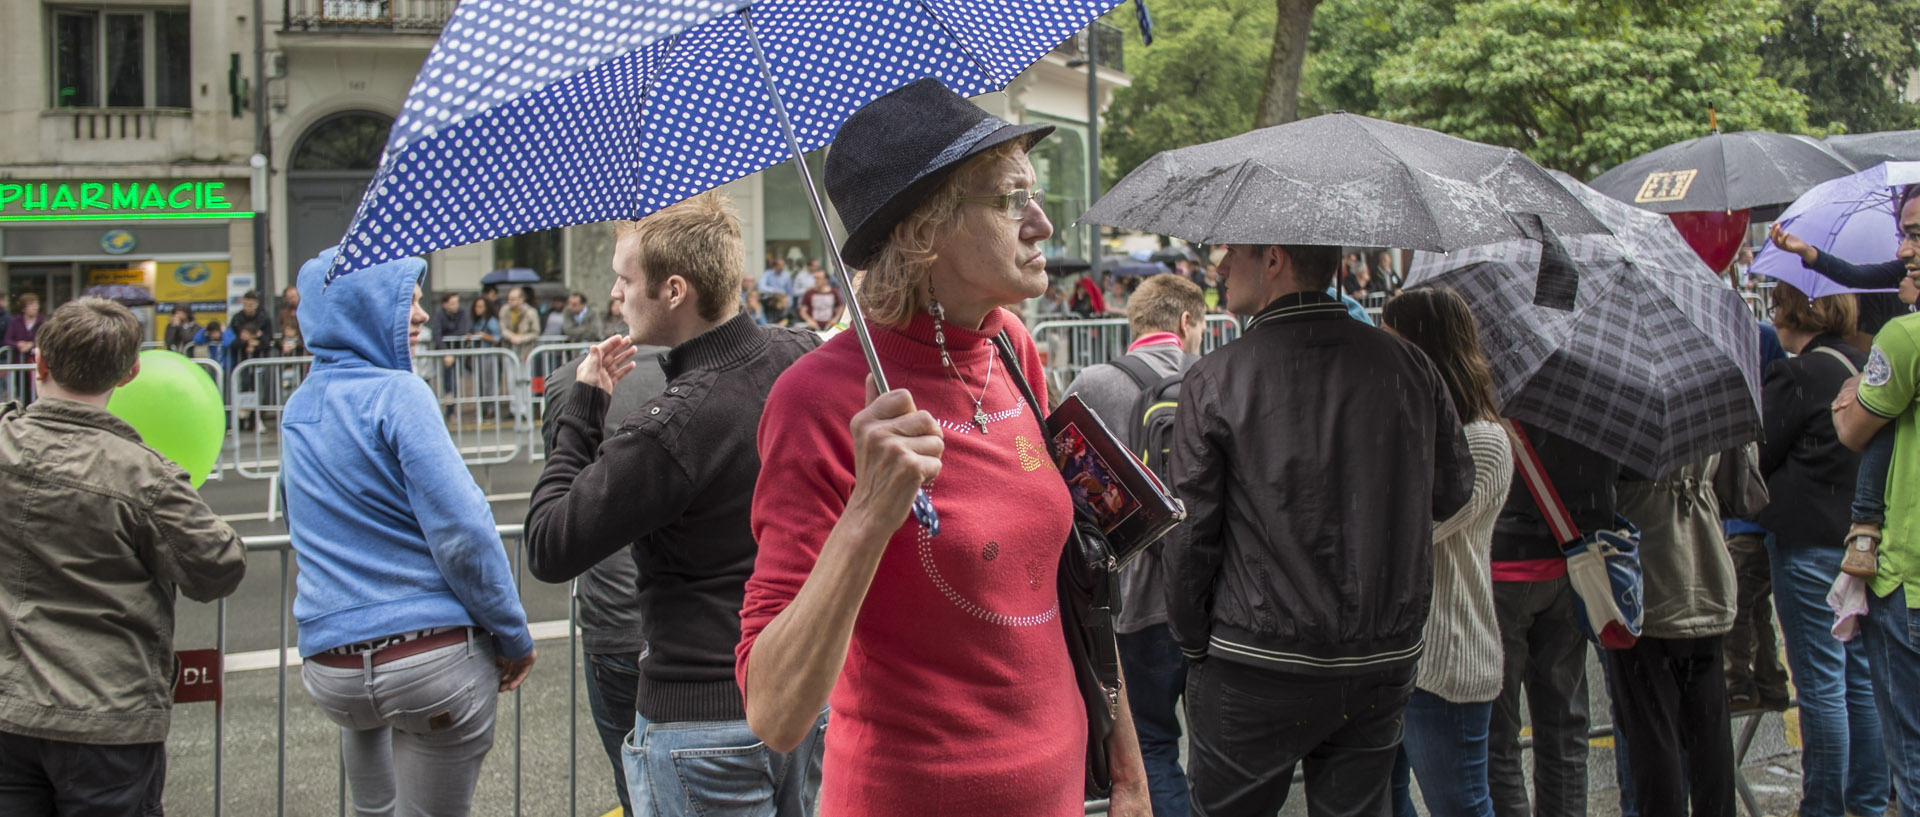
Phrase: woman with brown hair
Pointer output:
(1810, 476)
(942, 655)
(1445, 742)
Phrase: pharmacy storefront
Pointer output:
(150, 244)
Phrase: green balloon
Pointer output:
(177, 410)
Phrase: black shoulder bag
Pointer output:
(1088, 570)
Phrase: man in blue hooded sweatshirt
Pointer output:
(410, 623)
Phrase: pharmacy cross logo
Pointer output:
(192, 274)
(117, 242)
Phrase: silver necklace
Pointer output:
(940, 339)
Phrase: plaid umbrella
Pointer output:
(1652, 361)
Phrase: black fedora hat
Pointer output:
(896, 149)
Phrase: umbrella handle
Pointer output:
(922, 504)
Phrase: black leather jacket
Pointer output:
(1314, 455)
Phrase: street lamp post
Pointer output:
(1092, 62)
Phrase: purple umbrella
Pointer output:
(1851, 217)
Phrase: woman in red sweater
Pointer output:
(941, 655)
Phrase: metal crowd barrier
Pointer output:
(1066, 347)
(512, 537)
(475, 389)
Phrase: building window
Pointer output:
(121, 58)
(1060, 164)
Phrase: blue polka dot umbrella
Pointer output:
(532, 115)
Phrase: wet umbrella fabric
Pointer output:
(1864, 150)
(1340, 179)
(533, 116)
(1723, 172)
(1851, 217)
(1656, 364)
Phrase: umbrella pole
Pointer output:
(856, 318)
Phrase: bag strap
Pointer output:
(1852, 370)
(1012, 364)
(1527, 462)
(1142, 374)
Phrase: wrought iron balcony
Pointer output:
(368, 16)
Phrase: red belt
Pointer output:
(394, 653)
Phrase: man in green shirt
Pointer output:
(1887, 392)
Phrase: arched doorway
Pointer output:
(332, 164)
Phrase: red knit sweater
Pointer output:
(957, 697)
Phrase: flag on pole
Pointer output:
(1146, 21)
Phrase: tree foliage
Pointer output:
(1199, 81)
(1850, 58)
(1581, 86)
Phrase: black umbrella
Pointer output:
(1723, 172)
(1168, 255)
(1067, 265)
(1341, 179)
(1865, 150)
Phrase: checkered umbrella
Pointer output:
(1652, 361)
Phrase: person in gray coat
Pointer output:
(1168, 318)
(610, 633)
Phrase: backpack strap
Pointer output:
(1142, 373)
(1527, 463)
(1852, 370)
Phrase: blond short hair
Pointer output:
(1160, 301)
(890, 292)
(697, 239)
(1838, 314)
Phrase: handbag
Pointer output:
(1603, 567)
(1086, 579)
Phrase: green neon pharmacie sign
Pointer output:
(115, 201)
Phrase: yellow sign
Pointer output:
(1670, 185)
(190, 281)
(101, 277)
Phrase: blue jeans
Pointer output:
(1156, 677)
(613, 679)
(1843, 764)
(1445, 745)
(1892, 634)
(719, 769)
(1870, 488)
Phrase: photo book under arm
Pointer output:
(1109, 485)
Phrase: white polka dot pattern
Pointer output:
(530, 115)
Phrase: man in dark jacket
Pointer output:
(449, 326)
(675, 483)
(102, 533)
(1314, 455)
(1544, 651)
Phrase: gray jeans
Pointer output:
(425, 719)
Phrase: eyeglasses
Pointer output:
(1906, 238)
(1014, 204)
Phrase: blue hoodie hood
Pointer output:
(391, 533)
(362, 317)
